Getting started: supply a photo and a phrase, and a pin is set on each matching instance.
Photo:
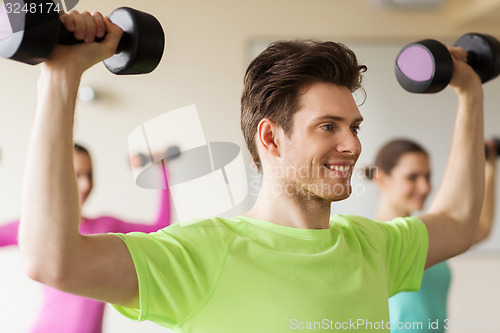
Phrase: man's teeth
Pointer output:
(340, 168)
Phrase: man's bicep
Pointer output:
(104, 271)
(446, 238)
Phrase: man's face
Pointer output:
(319, 157)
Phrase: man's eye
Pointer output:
(355, 129)
(328, 127)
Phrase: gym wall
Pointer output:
(208, 46)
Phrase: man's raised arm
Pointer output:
(454, 214)
(55, 253)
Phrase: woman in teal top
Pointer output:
(402, 173)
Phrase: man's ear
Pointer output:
(267, 136)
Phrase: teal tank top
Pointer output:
(425, 310)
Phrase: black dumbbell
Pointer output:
(171, 153)
(496, 142)
(426, 66)
(34, 36)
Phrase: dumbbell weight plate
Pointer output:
(172, 153)
(24, 38)
(496, 142)
(141, 159)
(142, 44)
(425, 66)
(497, 145)
(483, 54)
(31, 37)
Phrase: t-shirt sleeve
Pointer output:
(407, 243)
(177, 268)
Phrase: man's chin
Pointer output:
(327, 192)
(339, 195)
(340, 198)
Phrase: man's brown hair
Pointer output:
(275, 80)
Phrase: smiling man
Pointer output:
(285, 265)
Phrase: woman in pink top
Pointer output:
(66, 313)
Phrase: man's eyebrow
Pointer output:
(337, 118)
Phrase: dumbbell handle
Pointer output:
(68, 38)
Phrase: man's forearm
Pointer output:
(461, 191)
(50, 207)
(488, 210)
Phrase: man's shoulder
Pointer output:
(369, 227)
(350, 221)
(346, 219)
(201, 237)
(206, 227)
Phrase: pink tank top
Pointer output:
(61, 312)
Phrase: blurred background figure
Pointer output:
(61, 312)
(402, 173)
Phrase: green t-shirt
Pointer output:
(243, 275)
